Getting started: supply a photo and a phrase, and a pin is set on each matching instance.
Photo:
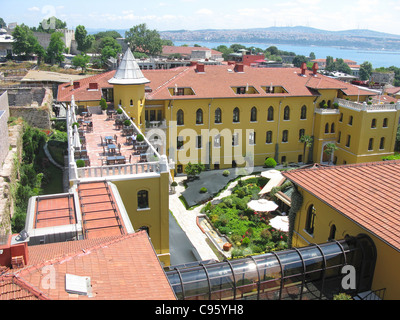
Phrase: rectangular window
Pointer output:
(198, 142)
(217, 141)
(179, 142)
(235, 139)
(252, 138)
(143, 199)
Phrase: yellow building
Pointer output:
(343, 201)
(234, 115)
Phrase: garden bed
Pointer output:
(248, 231)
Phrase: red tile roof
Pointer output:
(120, 268)
(66, 90)
(367, 194)
(217, 82)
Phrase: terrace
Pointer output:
(101, 145)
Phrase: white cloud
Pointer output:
(205, 11)
(34, 9)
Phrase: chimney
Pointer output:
(315, 68)
(14, 250)
(200, 67)
(239, 67)
(77, 84)
(303, 68)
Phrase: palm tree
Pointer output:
(330, 148)
(308, 141)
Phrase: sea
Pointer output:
(378, 59)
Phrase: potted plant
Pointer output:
(103, 104)
(174, 184)
(127, 123)
(139, 138)
(80, 163)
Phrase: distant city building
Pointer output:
(6, 42)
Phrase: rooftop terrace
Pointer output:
(107, 147)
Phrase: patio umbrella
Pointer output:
(262, 205)
(280, 223)
(270, 173)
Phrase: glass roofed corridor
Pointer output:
(309, 273)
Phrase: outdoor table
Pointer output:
(111, 148)
(108, 139)
(114, 159)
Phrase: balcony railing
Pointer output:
(118, 170)
(357, 106)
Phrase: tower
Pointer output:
(129, 88)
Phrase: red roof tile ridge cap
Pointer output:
(16, 279)
(176, 77)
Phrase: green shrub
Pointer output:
(203, 190)
(80, 163)
(127, 123)
(119, 111)
(226, 173)
(139, 138)
(103, 104)
(342, 296)
(270, 163)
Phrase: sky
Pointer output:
(162, 15)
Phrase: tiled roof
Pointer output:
(367, 194)
(217, 82)
(120, 268)
(65, 91)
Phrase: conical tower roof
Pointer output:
(128, 72)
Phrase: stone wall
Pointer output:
(4, 114)
(34, 105)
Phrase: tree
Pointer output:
(312, 56)
(141, 39)
(365, 71)
(83, 40)
(40, 52)
(193, 170)
(50, 25)
(2, 23)
(330, 64)
(308, 141)
(24, 41)
(109, 42)
(330, 148)
(342, 66)
(56, 48)
(81, 61)
(104, 34)
(107, 53)
(299, 60)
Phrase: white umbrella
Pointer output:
(270, 174)
(280, 223)
(262, 205)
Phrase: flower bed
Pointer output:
(248, 231)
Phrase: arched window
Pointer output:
(271, 113)
(253, 116)
(285, 136)
(385, 122)
(302, 132)
(382, 144)
(303, 114)
(179, 117)
(218, 116)
(351, 120)
(199, 116)
(269, 137)
(371, 144)
(332, 233)
(311, 212)
(143, 199)
(236, 115)
(333, 127)
(373, 124)
(327, 128)
(131, 102)
(286, 113)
